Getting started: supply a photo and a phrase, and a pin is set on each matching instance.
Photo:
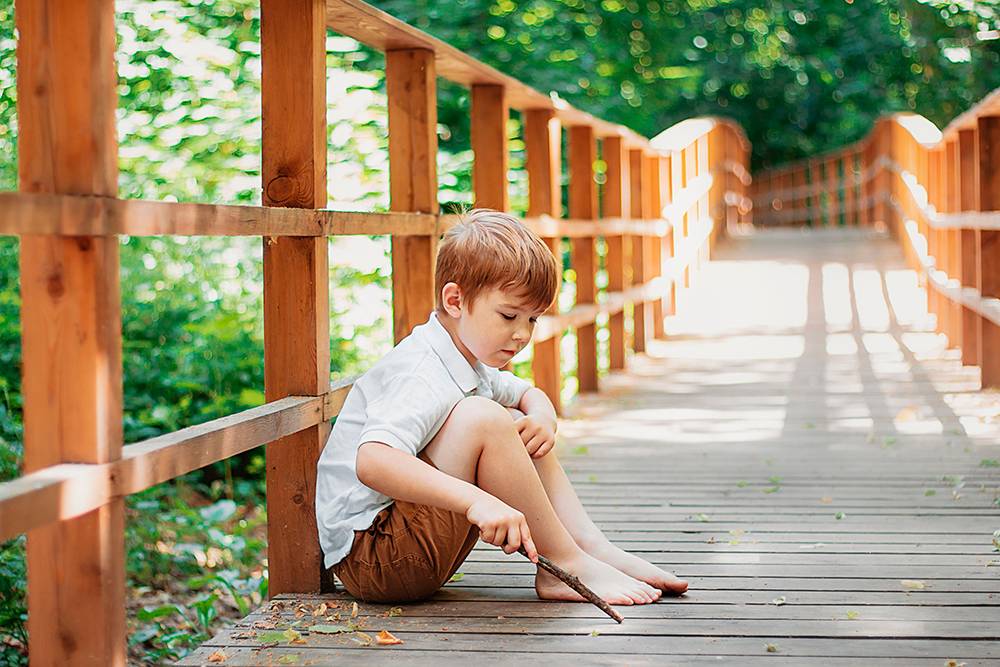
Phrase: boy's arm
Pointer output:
(402, 476)
(538, 425)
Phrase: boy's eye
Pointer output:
(507, 317)
(532, 319)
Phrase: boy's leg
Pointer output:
(571, 512)
(479, 443)
(585, 532)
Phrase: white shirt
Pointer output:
(402, 401)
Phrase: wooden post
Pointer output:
(489, 146)
(952, 241)
(653, 244)
(850, 208)
(930, 179)
(968, 170)
(71, 326)
(615, 204)
(988, 134)
(666, 242)
(689, 174)
(640, 311)
(833, 183)
(583, 206)
(296, 279)
(542, 140)
(411, 88)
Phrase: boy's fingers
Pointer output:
(513, 538)
(486, 535)
(529, 545)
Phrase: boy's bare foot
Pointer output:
(613, 586)
(636, 567)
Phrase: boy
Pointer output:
(435, 448)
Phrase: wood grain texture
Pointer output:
(988, 187)
(411, 88)
(489, 146)
(583, 205)
(296, 279)
(71, 326)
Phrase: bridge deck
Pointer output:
(816, 464)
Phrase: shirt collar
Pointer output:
(464, 375)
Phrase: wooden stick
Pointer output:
(573, 582)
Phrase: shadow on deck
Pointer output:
(803, 449)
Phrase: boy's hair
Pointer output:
(490, 249)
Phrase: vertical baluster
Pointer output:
(542, 141)
(615, 205)
(71, 326)
(296, 279)
(640, 310)
(583, 206)
(411, 89)
(967, 166)
(988, 134)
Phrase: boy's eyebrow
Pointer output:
(526, 309)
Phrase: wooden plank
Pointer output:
(489, 146)
(543, 145)
(411, 88)
(583, 204)
(616, 205)
(296, 279)
(988, 183)
(71, 326)
(660, 189)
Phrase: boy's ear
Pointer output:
(451, 299)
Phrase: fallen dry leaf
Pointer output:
(826, 500)
(386, 638)
(218, 656)
(771, 648)
(320, 610)
(354, 610)
(913, 584)
(366, 639)
(778, 601)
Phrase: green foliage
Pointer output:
(800, 76)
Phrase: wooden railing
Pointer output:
(664, 203)
(939, 194)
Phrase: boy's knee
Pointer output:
(483, 415)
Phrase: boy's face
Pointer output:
(496, 327)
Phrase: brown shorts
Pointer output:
(409, 552)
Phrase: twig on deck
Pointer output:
(574, 582)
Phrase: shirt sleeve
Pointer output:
(508, 388)
(403, 415)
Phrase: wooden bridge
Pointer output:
(801, 440)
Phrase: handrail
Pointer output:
(937, 191)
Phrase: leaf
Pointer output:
(742, 483)
(852, 615)
(354, 610)
(272, 637)
(581, 450)
(394, 611)
(701, 516)
(458, 576)
(777, 602)
(595, 633)
(913, 584)
(826, 500)
(989, 463)
(996, 540)
(365, 638)
(289, 659)
(320, 610)
(386, 638)
(218, 656)
(930, 492)
(291, 634)
(839, 515)
(771, 648)
(325, 629)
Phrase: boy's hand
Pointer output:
(501, 525)
(538, 436)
